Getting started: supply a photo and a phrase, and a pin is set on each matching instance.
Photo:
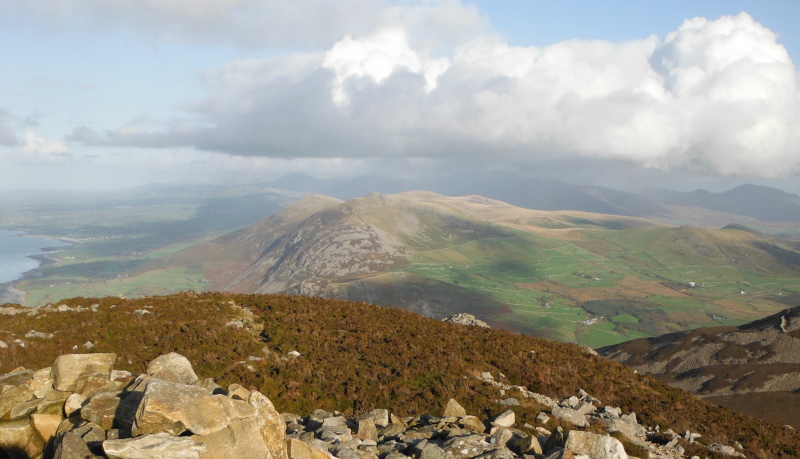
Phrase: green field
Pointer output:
(634, 282)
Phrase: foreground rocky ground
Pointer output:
(81, 407)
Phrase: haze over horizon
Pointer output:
(682, 95)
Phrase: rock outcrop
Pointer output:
(466, 319)
(81, 407)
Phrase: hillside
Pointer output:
(573, 276)
(754, 368)
(354, 357)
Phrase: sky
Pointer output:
(102, 95)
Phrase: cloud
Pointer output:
(718, 97)
(252, 23)
(38, 149)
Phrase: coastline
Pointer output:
(8, 291)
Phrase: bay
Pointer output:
(15, 251)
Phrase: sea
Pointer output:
(15, 251)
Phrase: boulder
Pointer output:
(72, 446)
(505, 419)
(102, 409)
(176, 408)
(300, 450)
(379, 416)
(172, 366)
(595, 446)
(160, 445)
(239, 439)
(454, 409)
(472, 423)
(570, 415)
(367, 430)
(13, 397)
(69, 369)
(273, 429)
(46, 425)
(529, 445)
(15, 435)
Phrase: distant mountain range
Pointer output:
(753, 205)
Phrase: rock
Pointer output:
(367, 430)
(160, 445)
(141, 312)
(241, 438)
(299, 450)
(72, 446)
(486, 375)
(176, 408)
(3, 345)
(571, 402)
(273, 429)
(505, 419)
(569, 415)
(102, 409)
(46, 425)
(509, 402)
(431, 451)
(379, 416)
(594, 446)
(13, 397)
(472, 423)
(454, 409)
(542, 417)
(528, 445)
(15, 435)
(23, 409)
(556, 439)
(36, 334)
(74, 404)
(466, 319)
(237, 392)
(293, 354)
(176, 364)
(69, 369)
(725, 449)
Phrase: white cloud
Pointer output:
(377, 57)
(36, 149)
(717, 97)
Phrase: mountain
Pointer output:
(572, 276)
(758, 202)
(324, 247)
(754, 367)
(311, 353)
(517, 189)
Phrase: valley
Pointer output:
(574, 276)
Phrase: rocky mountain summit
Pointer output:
(345, 359)
(81, 407)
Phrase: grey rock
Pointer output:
(569, 415)
(160, 445)
(379, 416)
(594, 445)
(505, 419)
(72, 446)
(176, 364)
(454, 409)
(509, 402)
